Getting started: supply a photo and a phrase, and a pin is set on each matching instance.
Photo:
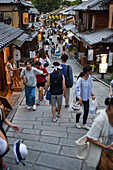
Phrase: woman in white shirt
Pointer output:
(83, 92)
(45, 61)
(98, 142)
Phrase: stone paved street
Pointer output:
(51, 145)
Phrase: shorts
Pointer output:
(56, 99)
(41, 84)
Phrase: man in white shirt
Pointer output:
(30, 74)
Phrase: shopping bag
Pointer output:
(93, 107)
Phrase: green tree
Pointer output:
(46, 5)
(50, 5)
(69, 3)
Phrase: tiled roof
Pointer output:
(8, 34)
(20, 40)
(74, 30)
(6, 1)
(33, 11)
(16, 2)
(67, 9)
(93, 5)
(68, 26)
(100, 36)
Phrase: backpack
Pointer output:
(68, 81)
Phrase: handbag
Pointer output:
(75, 105)
(25, 79)
(48, 95)
(106, 161)
(68, 81)
(83, 147)
(76, 108)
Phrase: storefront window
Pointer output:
(7, 18)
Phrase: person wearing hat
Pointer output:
(56, 81)
(4, 146)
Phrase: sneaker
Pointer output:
(58, 115)
(6, 167)
(78, 125)
(41, 99)
(34, 107)
(55, 119)
(28, 107)
(85, 127)
(38, 102)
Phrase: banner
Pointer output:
(103, 66)
(110, 59)
(90, 55)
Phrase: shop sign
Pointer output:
(103, 66)
(110, 60)
(90, 55)
(32, 54)
(25, 18)
(16, 54)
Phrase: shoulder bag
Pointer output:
(25, 79)
(48, 95)
(68, 81)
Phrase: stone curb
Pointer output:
(92, 75)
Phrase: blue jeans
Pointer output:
(30, 95)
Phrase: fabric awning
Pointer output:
(20, 40)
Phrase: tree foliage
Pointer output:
(49, 5)
(46, 5)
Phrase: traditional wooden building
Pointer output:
(21, 14)
(8, 35)
(94, 25)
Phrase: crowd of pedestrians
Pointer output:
(97, 147)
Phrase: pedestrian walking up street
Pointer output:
(29, 79)
(45, 61)
(57, 51)
(41, 80)
(83, 92)
(52, 49)
(56, 81)
(66, 69)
